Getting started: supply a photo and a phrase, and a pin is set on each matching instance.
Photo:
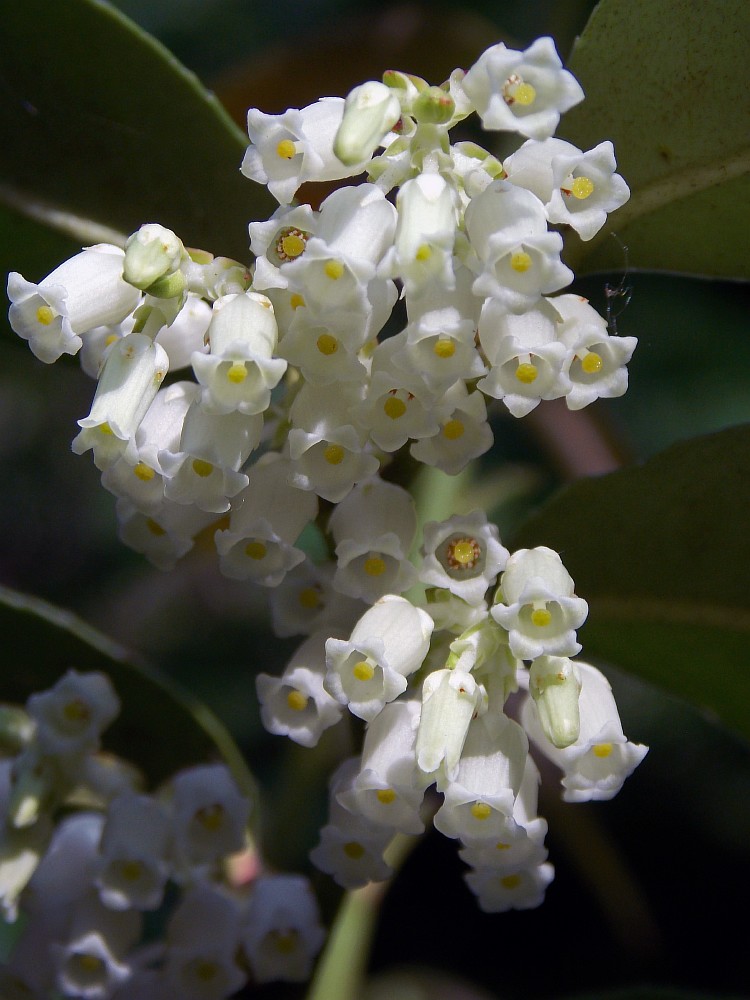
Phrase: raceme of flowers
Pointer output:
(301, 392)
(85, 880)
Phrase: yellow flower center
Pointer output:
(424, 252)
(353, 850)
(394, 407)
(602, 749)
(44, 315)
(310, 598)
(510, 881)
(363, 671)
(334, 454)
(463, 553)
(237, 373)
(334, 269)
(211, 817)
(374, 566)
(290, 243)
(256, 550)
(201, 468)
(581, 188)
(386, 796)
(453, 429)
(297, 701)
(592, 363)
(520, 261)
(144, 472)
(286, 149)
(481, 811)
(327, 344)
(527, 373)
(444, 348)
(541, 617)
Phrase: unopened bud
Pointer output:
(434, 105)
(150, 254)
(370, 112)
(555, 684)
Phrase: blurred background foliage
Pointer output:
(648, 886)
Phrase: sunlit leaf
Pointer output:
(661, 553)
(161, 728)
(666, 82)
(104, 130)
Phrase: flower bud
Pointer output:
(150, 254)
(554, 684)
(434, 105)
(370, 112)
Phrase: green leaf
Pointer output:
(160, 728)
(105, 130)
(661, 552)
(666, 82)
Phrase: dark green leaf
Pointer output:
(666, 82)
(161, 728)
(104, 128)
(661, 553)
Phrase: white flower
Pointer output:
(151, 254)
(164, 535)
(71, 716)
(296, 704)
(203, 938)
(522, 92)
(388, 788)
(84, 292)
(133, 866)
(282, 933)
(462, 555)
(208, 815)
(597, 764)
(530, 166)
(287, 150)
(539, 609)
(240, 370)
(498, 891)
(279, 241)
(305, 601)
(480, 799)
(585, 189)
(464, 434)
(353, 855)
(134, 370)
(388, 643)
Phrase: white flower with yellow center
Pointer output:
(240, 371)
(463, 555)
(585, 188)
(281, 929)
(370, 669)
(498, 891)
(297, 146)
(296, 704)
(278, 241)
(133, 866)
(84, 292)
(530, 167)
(537, 605)
(522, 92)
(71, 716)
(597, 764)
(464, 432)
(208, 815)
(388, 788)
(306, 601)
(480, 799)
(164, 535)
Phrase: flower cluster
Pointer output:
(308, 380)
(85, 880)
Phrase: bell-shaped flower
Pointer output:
(500, 890)
(450, 700)
(152, 254)
(597, 764)
(67, 870)
(297, 146)
(305, 601)
(537, 605)
(522, 92)
(596, 364)
(296, 704)
(373, 529)
(352, 854)
(208, 814)
(82, 293)
(203, 937)
(265, 522)
(463, 555)
(480, 799)
(282, 932)
(278, 241)
(464, 433)
(133, 867)
(585, 188)
(503, 215)
(388, 643)
(240, 370)
(422, 254)
(520, 839)
(132, 374)
(163, 535)
(71, 716)
(440, 346)
(388, 788)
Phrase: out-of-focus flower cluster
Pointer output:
(305, 389)
(127, 895)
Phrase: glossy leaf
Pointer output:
(161, 728)
(105, 130)
(666, 83)
(661, 552)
